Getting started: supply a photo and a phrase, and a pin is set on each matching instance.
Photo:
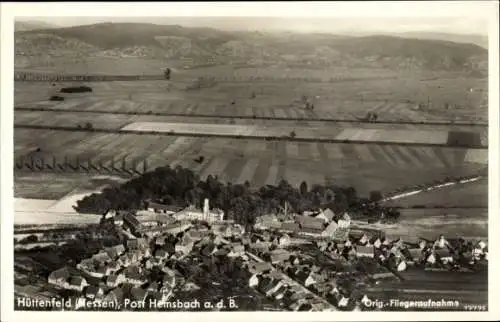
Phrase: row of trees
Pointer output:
(241, 202)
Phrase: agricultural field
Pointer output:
(473, 194)
(239, 95)
(106, 65)
(466, 288)
(391, 99)
(53, 186)
(367, 167)
(470, 223)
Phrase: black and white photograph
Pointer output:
(251, 163)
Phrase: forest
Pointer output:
(242, 203)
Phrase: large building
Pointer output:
(131, 222)
(191, 213)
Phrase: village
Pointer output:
(314, 261)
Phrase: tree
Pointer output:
(375, 196)
(292, 134)
(89, 126)
(303, 188)
(166, 72)
(30, 239)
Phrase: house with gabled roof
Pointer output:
(330, 230)
(208, 249)
(115, 280)
(259, 267)
(93, 292)
(284, 240)
(280, 293)
(310, 223)
(279, 256)
(237, 249)
(77, 283)
(169, 279)
(381, 272)
(401, 266)
(153, 287)
(161, 240)
(272, 287)
(60, 277)
(477, 252)
(444, 255)
(396, 251)
(138, 294)
(161, 254)
(321, 288)
(114, 266)
(441, 242)
(115, 295)
(327, 215)
(364, 240)
(342, 301)
(254, 279)
(290, 227)
(115, 251)
(365, 251)
(124, 260)
(430, 258)
(87, 264)
(376, 242)
(102, 257)
(305, 278)
(104, 270)
(481, 244)
(422, 244)
(264, 284)
(134, 275)
(345, 221)
(416, 255)
(131, 222)
(399, 243)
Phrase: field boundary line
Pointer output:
(273, 118)
(243, 137)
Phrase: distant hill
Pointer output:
(32, 25)
(459, 38)
(205, 45)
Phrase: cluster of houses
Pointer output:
(320, 282)
(398, 255)
(291, 292)
(124, 270)
(324, 223)
(275, 268)
(106, 275)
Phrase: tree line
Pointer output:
(240, 202)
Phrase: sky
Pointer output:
(459, 17)
(342, 25)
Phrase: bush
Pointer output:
(29, 239)
(56, 98)
(76, 89)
